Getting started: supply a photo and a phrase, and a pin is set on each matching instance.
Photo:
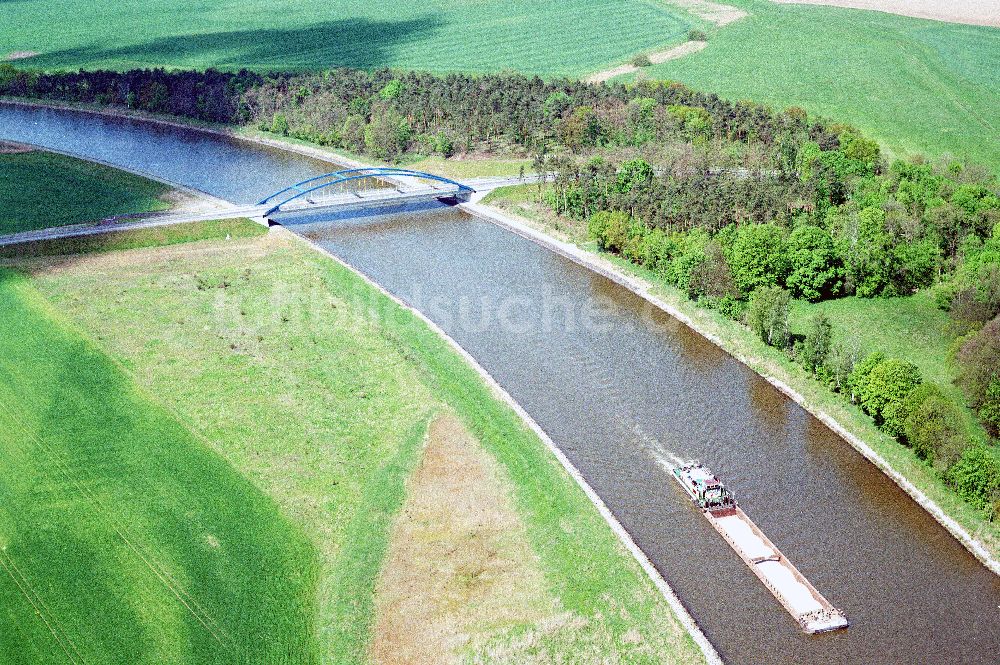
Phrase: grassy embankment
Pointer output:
(548, 37)
(41, 190)
(123, 538)
(913, 329)
(908, 328)
(916, 85)
(223, 398)
(155, 236)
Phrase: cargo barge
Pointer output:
(812, 611)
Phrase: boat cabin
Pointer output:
(705, 489)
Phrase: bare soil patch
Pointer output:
(972, 12)
(687, 48)
(713, 12)
(190, 202)
(7, 148)
(20, 55)
(459, 567)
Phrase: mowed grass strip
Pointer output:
(319, 390)
(123, 537)
(154, 236)
(41, 190)
(916, 85)
(547, 37)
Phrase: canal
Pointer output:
(622, 389)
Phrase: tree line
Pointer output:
(740, 206)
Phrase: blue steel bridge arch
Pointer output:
(301, 189)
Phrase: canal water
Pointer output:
(622, 389)
(232, 169)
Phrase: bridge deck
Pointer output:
(374, 198)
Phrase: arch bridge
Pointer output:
(303, 189)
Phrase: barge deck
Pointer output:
(808, 607)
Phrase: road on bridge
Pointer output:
(403, 189)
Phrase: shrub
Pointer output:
(609, 229)
(656, 251)
(883, 392)
(933, 426)
(989, 409)
(641, 60)
(697, 36)
(979, 366)
(279, 125)
(816, 346)
(976, 477)
(442, 144)
(768, 315)
(690, 255)
(758, 257)
(712, 276)
(732, 308)
(858, 379)
(815, 267)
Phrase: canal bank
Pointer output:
(701, 325)
(244, 134)
(945, 508)
(609, 399)
(711, 655)
(621, 393)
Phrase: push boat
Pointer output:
(808, 607)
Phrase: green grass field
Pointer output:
(916, 85)
(241, 390)
(123, 538)
(41, 189)
(549, 37)
(913, 329)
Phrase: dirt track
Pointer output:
(684, 49)
(973, 12)
(7, 148)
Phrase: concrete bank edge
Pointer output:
(643, 289)
(711, 655)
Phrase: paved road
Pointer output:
(404, 189)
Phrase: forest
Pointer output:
(740, 206)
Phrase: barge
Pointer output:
(808, 607)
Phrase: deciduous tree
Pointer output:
(768, 315)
